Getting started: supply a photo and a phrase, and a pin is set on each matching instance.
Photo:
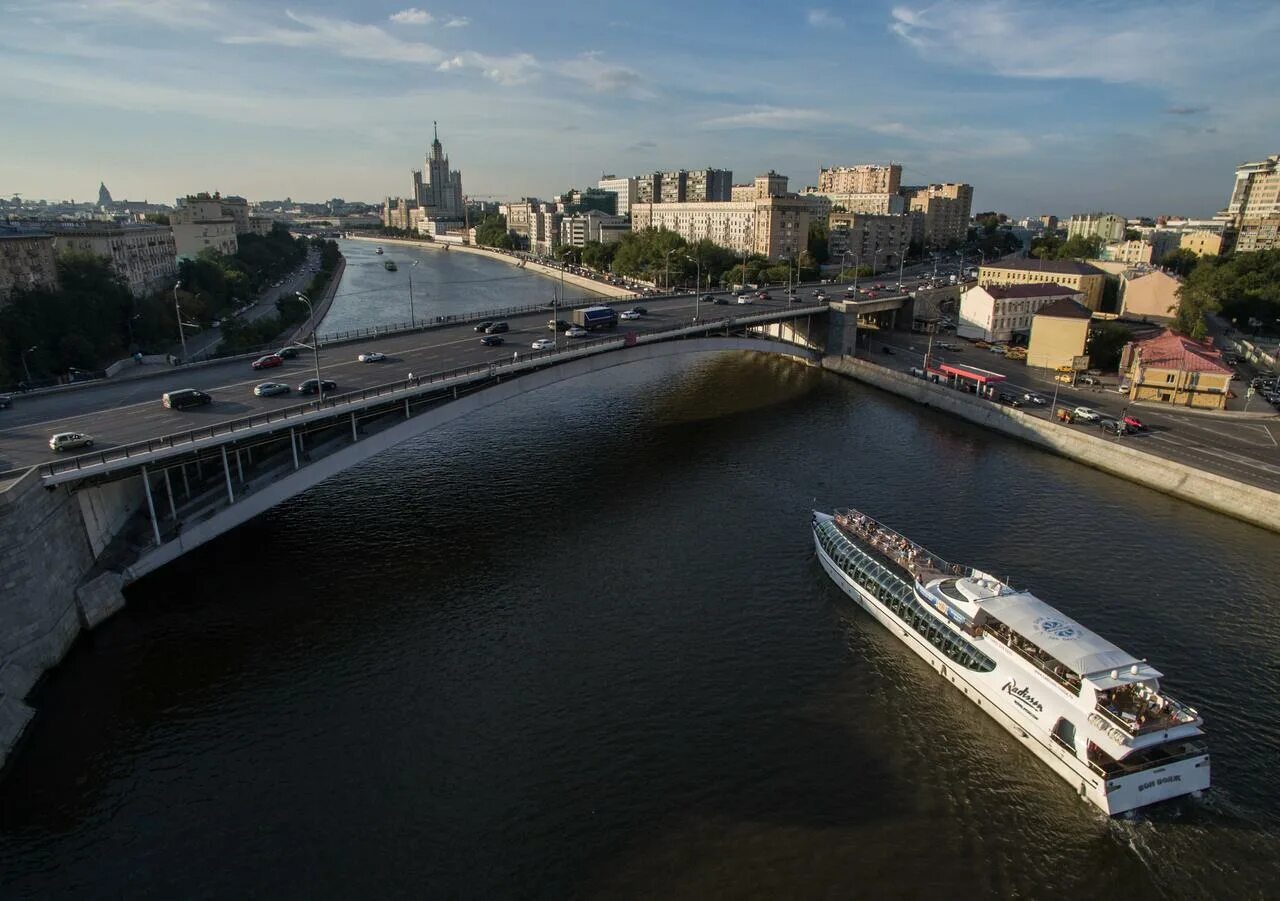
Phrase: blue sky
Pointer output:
(1138, 107)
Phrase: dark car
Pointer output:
(1112, 426)
(708, 298)
(491, 340)
(288, 353)
(643, 311)
(558, 325)
(1011, 400)
(722, 301)
(5, 401)
(886, 349)
(309, 386)
(483, 326)
(497, 328)
(185, 397)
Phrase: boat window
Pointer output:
(1065, 732)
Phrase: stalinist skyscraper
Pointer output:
(440, 194)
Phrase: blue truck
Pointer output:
(593, 318)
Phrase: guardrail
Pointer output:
(455, 319)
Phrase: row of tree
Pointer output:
(1244, 287)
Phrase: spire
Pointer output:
(435, 130)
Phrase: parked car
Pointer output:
(575, 331)
(61, 441)
(1122, 388)
(1085, 414)
(1088, 380)
(376, 356)
(491, 340)
(483, 326)
(1011, 400)
(310, 386)
(185, 397)
(1032, 398)
(543, 344)
(270, 361)
(270, 389)
(629, 314)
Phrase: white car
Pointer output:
(69, 441)
(1085, 414)
(543, 344)
(744, 298)
(374, 357)
(575, 331)
(629, 314)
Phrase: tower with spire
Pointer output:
(440, 193)
(104, 196)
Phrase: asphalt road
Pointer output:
(117, 413)
(1246, 449)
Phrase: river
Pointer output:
(579, 646)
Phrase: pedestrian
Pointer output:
(410, 378)
(515, 355)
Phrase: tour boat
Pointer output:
(378, 251)
(1091, 711)
(390, 265)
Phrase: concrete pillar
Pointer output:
(293, 446)
(226, 471)
(168, 486)
(186, 483)
(151, 507)
(406, 408)
(354, 436)
(239, 467)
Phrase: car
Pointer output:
(575, 331)
(289, 353)
(483, 326)
(1089, 380)
(1111, 425)
(744, 298)
(1086, 414)
(217, 323)
(998, 349)
(496, 328)
(1032, 398)
(886, 349)
(763, 295)
(643, 311)
(820, 295)
(376, 356)
(1011, 400)
(629, 314)
(1134, 423)
(558, 325)
(708, 298)
(270, 389)
(309, 386)
(491, 340)
(543, 344)
(270, 361)
(723, 301)
(1122, 388)
(185, 397)
(6, 400)
(61, 441)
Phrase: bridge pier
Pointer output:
(168, 486)
(226, 469)
(293, 445)
(151, 507)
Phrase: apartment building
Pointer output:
(625, 189)
(739, 193)
(592, 225)
(144, 256)
(672, 187)
(862, 179)
(649, 188)
(771, 184)
(1148, 294)
(708, 185)
(997, 313)
(1202, 243)
(1059, 334)
(202, 222)
(1107, 226)
(1079, 277)
(880, 241)
(944, 209)
(26, 262)
(774, 227)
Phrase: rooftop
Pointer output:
(1045, 289)
(1060, 267)
(1065, 308)
(1170, 351)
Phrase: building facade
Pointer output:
(1107, 226)
(440, 195)
(708, 185)
(944, 209)
(1148, 294)
(622, 188)
(774, 227)
(873, 240)
(672, 186)
(740, 193)
(649, 188)
(1173, 369)
(1080, 277)
(144, 256)
(204, 221)
(1202, 243)
(997, 313)
(27, 262)
(579, 228)
(1258, 233)
(867, 178)
(771, 184)
(1059, 334)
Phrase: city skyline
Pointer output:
(1041, 109)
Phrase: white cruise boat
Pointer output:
(1094, 713)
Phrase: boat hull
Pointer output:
(986, 690)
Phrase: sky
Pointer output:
(1044, 106)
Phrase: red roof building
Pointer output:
(1175, 369)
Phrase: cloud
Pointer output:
(349, 39)
(824, 18)
(173, 13)
(642, 146)
(1184, 110)
(457, 22)
(766, 117)
(604, 78)
(412, 16)
(505, 70)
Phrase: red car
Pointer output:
(268, 362)
(762, 295)
(1134, 423)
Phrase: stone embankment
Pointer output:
(1237, 499)
(577, 281)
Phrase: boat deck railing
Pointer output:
(920, 561)
(1108, 768)
(1147, 714)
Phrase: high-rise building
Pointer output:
(649, 188)
(945, 212)
(26, 262)
(440, 195)
(623, 188)
(1107, 226)
(867, 178)
(708, 185)
(672, 186)
(774, 227)
(880, 241)
(144, 256)
(771, 184)
(1254, 207)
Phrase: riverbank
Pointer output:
(587, 284)
(1248, 503)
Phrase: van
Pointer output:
(185, 397)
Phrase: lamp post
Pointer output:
(26, 370)
(666, 278)
(697, 283)
(177, 310)
(412, 266)
(844, 261)
(315, 346)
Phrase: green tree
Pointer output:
(1079, 247)
(1106, 341)
(1180, 261)
(1132, 234)
(491, 231)
(819, 251)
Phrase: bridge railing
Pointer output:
(402, 387)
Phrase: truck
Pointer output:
(593, 318)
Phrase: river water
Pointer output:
(579, 646)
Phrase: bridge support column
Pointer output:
(226, 471)
(186, 483)
(406, 408)
(168, 486)
(239, 467)
(151, 507)
(354, 436)
(293, 446)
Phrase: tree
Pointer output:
(1079, 247)
(1132, 234)
(819, 251)
(1245, 287)
(1106, 341)
(491, 231)
(1180, 261)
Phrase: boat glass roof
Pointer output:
(1075, 646)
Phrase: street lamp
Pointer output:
(844, 261)
(177, 310)
(315, 345)
(697, 284)
(30, 350)
(666, 278)
(412, 266)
